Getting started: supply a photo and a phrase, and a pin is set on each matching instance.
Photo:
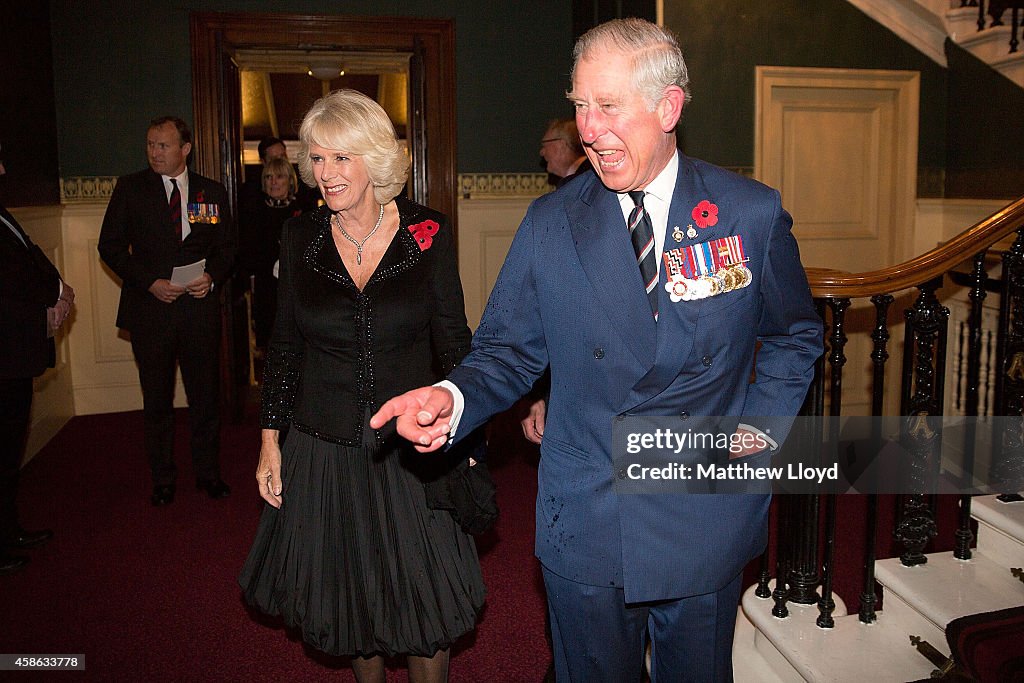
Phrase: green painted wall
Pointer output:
(723, 41)
(118, 64)
(985, 155)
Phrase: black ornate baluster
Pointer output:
(826, 605)
(981, 15)
(879, 355)
(1007, 467)
(836, 360)
(803, 577)
(764, 576)
(996, 12)
(979, 279)
(785, 534)
(836, 357)
(921, 407)
(1014, 24)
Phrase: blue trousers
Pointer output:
(596, 636)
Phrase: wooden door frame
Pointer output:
(433, 38)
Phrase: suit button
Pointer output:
(706, 360)
(684, 415)
(599, 353)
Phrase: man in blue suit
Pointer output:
(577, 292)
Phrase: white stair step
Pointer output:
(748, 665)
(1012, 67)
(961, 23)
(988, 45)
(797, 649)
(1000, 530)
(947, 588)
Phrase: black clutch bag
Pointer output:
(467, 492)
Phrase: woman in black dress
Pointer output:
(261, 217)
(369, 305)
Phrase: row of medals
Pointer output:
(203, 213)
(735, 276)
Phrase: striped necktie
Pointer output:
(174, 208)
(641, 233)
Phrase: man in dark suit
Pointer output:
(628, 337)
(34, 303)
(158, 219)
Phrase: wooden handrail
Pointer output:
(838, 284)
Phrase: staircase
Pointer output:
(918, 601)
(925, 24)
(781, 638)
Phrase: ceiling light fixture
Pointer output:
(325, 72)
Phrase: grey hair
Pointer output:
(350, 121)
(279, 166)
(566, 130)
(657, 59)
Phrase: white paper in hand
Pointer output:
(182, 275)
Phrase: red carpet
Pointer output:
(149, 594)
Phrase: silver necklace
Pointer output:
(353, 240)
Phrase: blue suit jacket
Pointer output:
(570, 295)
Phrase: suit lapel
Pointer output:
(155, 188)
(677, 321)
(322, 256)
(6, 233)
(602, 244)
(402, 253)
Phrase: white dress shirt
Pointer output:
(182, 181)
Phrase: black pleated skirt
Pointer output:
(356, 561)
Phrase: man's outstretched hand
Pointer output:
(424, 416)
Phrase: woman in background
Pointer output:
(370, 305)
(261, 218)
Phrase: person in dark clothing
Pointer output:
(34, 303)
(348, 550)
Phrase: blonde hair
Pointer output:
(349, 120)
(279, 166)
(657, 59)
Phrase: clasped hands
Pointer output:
(168, 292)
(58, 313)
(423, 416)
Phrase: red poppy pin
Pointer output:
(296, 213)
(705, 214)
(200, 197)
(424, 233)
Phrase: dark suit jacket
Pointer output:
(583, 168)
(29, 284)
(336, 349)
(140, 245)
(570, 296)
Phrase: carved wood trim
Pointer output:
(302, 32)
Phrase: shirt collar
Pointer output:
(664, 184)
(181, 179)
(662, 187)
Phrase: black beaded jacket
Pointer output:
(336, 350)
